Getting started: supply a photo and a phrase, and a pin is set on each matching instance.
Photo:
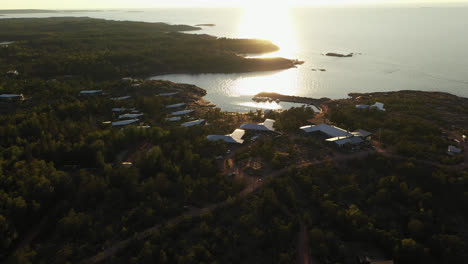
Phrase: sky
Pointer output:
(89, 4)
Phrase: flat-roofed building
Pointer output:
(11, 97)
(125, 122)
(366, 135)
(339, 136)
(183, 112)
(168, 94)
(130, 116)
(194, 123)
(175, 105)
(121, 98)
(452, 150)
(330, 131)
(267, 125)
(91, 92)
(234, 137)
(174, 119)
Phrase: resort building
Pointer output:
(175, 105)
(377, 105)
(173, 119)
(194, 123)
(168, 94)
(267, 125)
(330, 131)
(125, 122)
(11, 97)
(184, 112)
(91, 92)
(366, 135)
(130, 116)
(118, 110)
(234, 137)
(121, 98)
(339, 136)
(452, 150)
(12, 73)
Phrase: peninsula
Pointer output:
(104, 49)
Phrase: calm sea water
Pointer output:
(399, 49)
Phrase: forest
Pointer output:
(103, 49)
(75, 189)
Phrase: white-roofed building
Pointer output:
(234, 137)
(168, 94)
(338, 135)
(11, 97)
(130, 116)
(379, 106)
(362, 106)
(194, 123)
(175, 105)
(127, 164)
(174, 119)
(340, 141)
(91, 92)
(363, 134)
(452, 150)
(183, 112)
(125, 122)
(118, 110)
(13, 73)
(121, 98)
(267, 125)
(330, 131)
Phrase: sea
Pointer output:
(395, 48)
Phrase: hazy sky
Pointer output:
(85, 4)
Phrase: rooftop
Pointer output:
(193, 123)
(175, 105)
(331, 131)
(130, 116)
(10, 95)
(234, 137)
(121, 98)
(267, 125)
(125, 122)
(184, 112)
(168, 94)
(361, 133)
(345, 140)
(172, 119)
(90, 91)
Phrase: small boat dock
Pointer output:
(264, 97)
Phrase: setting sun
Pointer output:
(272, 23)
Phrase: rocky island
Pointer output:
(333, 54)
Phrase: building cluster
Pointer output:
(339, 136)
(236, 136)
(131, 116)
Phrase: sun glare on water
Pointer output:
(269, 20)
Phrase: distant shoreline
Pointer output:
(42, 11)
